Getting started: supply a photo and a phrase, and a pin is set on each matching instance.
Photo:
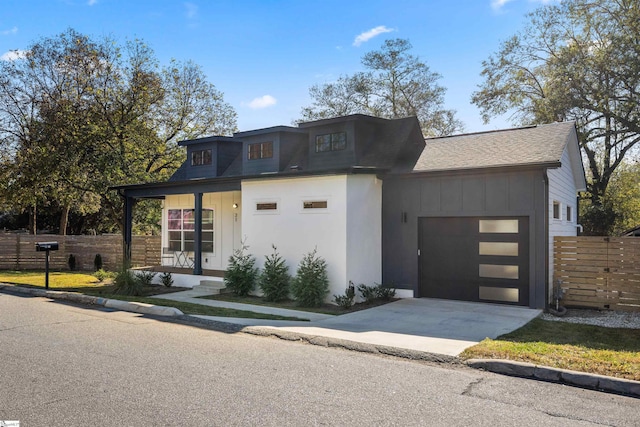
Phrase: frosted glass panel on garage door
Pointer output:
(498, 225)
(498, 248)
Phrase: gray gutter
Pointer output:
(230, 183)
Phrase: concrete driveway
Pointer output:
(431, 325)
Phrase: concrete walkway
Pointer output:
(421, 324)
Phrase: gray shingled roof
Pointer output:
(510, 147)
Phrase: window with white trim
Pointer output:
(181, 228)
(556, 210)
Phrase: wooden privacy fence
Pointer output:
(598, 272)
(18, 252)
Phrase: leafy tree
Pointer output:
(87, 114)
(620, 208)
(577, 60)
(396, 84)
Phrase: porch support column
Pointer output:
(197, 239)
(126, 231)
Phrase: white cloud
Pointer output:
(368, 35)
(497, 4)
(14, 30)
(192, 10)
(262, 102)
(92, 2)
(12, 55)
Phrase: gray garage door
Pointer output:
(475, 259)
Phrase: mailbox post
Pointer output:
(46, 247)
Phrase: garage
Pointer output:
(474, 259)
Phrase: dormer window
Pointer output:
(261, 150)
(201, 157)
(331, 142)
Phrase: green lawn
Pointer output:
(57, 280)
(87, 284)
(293, 305)
(613, 352)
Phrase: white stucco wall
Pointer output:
(227, 224)
(347, 234)
(364, 229)
(562, 189)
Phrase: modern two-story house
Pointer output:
(469, 217)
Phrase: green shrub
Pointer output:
(369, 293)
(385, 293)
(126, 283)
(166, 279)
(274, 279)
(146, 277)
(241, 274)
(72, 262)
(101, 275)
(345, 301)
(311, 284)
(97, 262)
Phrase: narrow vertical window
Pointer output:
(569, 214)
(556, 210)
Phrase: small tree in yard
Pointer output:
(274, 280)
(311, 284)
(241, 274)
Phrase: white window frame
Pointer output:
(559, 211)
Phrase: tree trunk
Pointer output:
(32, 220)
(64, 220)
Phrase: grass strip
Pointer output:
(613, 352)
(293, 305)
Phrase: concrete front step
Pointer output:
(213, 286)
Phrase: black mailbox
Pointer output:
(46, 246)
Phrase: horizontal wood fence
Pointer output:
(18, 252)
(598, 272)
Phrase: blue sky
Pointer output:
(265, 54)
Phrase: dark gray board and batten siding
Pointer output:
(494, 193)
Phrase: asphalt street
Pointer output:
(67, 365)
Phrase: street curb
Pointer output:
(563, 376)
(351, 345)
(135, 307)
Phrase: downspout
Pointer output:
(546, 239)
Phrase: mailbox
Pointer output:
(46, 246)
